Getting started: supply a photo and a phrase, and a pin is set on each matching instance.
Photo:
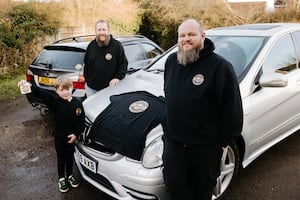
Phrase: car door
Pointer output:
(275, 110)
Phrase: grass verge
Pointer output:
(9, 89)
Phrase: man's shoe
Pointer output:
(63, 185)
(73, 182)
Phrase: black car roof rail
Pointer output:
(131, 36)
(80, 38)
(75, 38)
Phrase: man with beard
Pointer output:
(203, 114)
(105, 60)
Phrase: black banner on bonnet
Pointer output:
(125, 123)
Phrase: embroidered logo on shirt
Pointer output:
(78, 111)
(138, 106)
(108, 56)
(198, 79)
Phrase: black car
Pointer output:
(66, 57)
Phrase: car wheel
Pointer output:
(229, 166)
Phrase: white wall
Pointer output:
(270, 3)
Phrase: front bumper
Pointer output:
(121, 177)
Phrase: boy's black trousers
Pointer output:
(65, 156)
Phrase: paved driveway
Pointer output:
(28, 163)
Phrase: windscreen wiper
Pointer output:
(48, 65)
(156, 70)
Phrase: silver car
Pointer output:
(266, 60)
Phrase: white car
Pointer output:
(266, 60)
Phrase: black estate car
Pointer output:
(65, 57)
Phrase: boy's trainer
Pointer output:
(73, 182)
(63, 185)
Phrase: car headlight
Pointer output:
(152, 156)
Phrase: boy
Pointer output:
(68, 123)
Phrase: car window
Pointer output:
(296, 37)
(159, 64)
(282, 56)
(134, 52)
(59, 59)
(239, 50)
(151, 51)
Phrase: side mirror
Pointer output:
(273, 80)
(78, 67)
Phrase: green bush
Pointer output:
(19, 35)
(25, 25)
(161, 18)
(8, 86)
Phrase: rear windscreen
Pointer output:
(61, 59)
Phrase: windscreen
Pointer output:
(241, 51)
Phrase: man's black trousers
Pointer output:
(190, 170)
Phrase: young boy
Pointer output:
(68, 123)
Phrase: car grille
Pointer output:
(99, 179)
(86, 130)
(105, 183)
(96, 145)
(139, 195)
(100, 147)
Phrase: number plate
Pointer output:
(87, 162)
(46, 81)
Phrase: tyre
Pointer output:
(229, 167)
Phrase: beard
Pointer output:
(102, 43)
(186, 57)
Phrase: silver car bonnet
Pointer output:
(139, 81)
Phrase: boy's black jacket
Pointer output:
(68, 117)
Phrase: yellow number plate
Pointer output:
(46, 81)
